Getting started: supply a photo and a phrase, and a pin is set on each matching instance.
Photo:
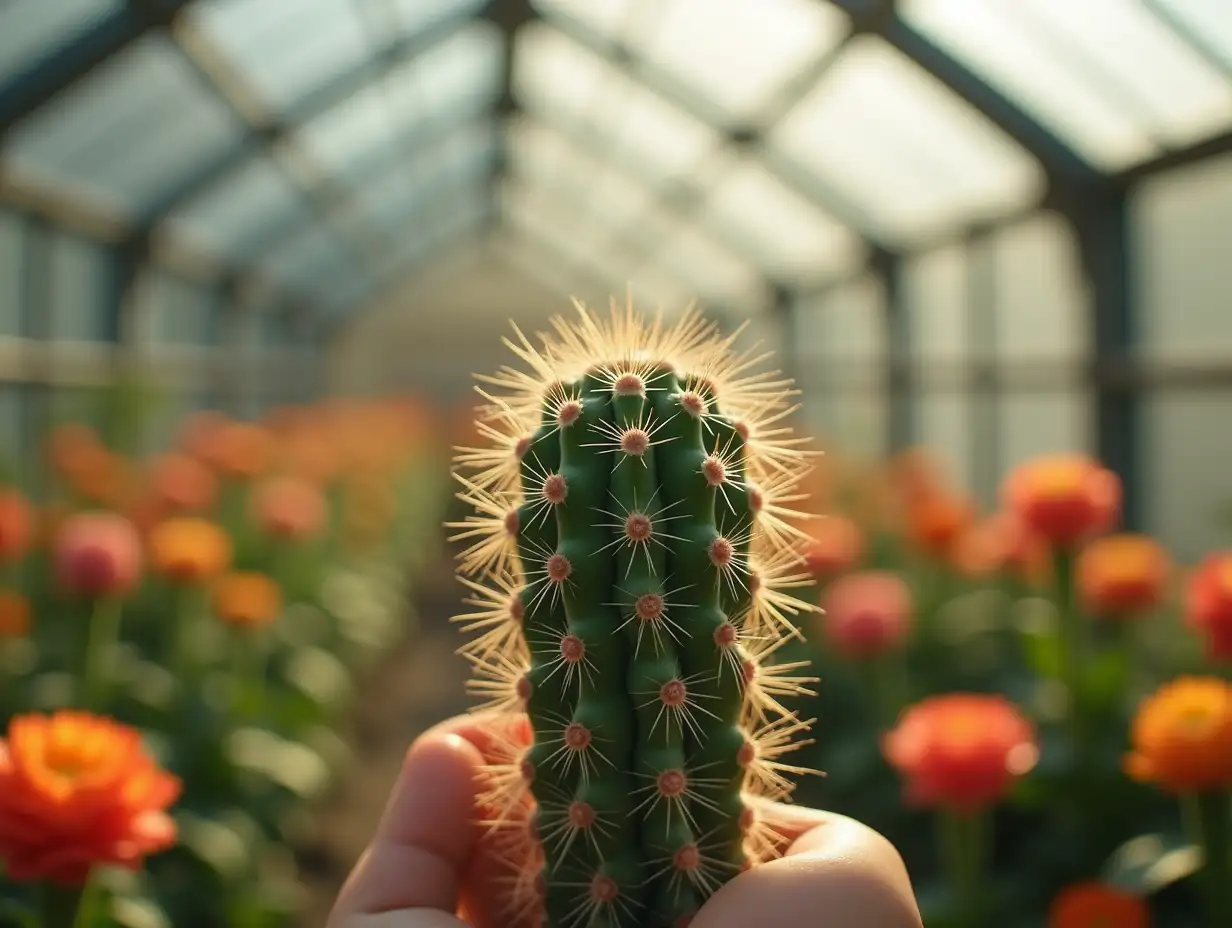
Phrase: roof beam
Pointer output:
(62, 68)
(1213, 146)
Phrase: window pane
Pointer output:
(912, 155)
(31, 31)
(1210, 20)
(791, 238)
(417, 15)
(138, 127)
(12, 252)
(943, 423)
(1182, 222)
(1041, 304)
(1031, 425)
(936, 295)
(177, 312)
(712, 271)
(554, 75)
(80, 283)
(1115, 98)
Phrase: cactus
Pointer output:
(631, 560)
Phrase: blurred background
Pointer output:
(991, 228)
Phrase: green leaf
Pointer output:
(1146, 864)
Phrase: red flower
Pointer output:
(867, 613)
(79, 791)
(16, 526)
(1208, 604)
(1096, 905)
(961, 751)
(1123, 574)
(289, 508)
(1064, 498)
(98, 554)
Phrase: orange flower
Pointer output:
(79, 791)
(867, 613)
(961, 751)
(189, 550)
(14, 615)
(289, 508)
(1097, 905)
(835, 546)
(16, 526)
(935, 522)
(1208, 604)
(240, 450)
(1123, 574)
(72, 448)
(1064, 498)
(1182, 736)
(98, 554)
(182, 484)
(104, 477)
(247, 599)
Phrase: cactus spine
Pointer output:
(631, 557)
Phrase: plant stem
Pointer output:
(179, 645)
(1069, 643)
(1211, 821)
(103, 634)
(962, 844)
(61, 905)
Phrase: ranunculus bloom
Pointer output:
(1122, 574)
(98, 554)
(240, 450)
(936, 521)
(14, 615)
(1064, 498)
(16, 526)
(835, 546)
(290, 508)
(247, 598)
(961, 751)
(189, 550)
(1182, 736)
(1208, 604)
(79, 791)
(1097, 905)
(182, 484)
(867, 613)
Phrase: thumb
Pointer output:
(837, 871)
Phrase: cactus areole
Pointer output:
(631, 558)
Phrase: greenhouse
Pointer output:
(941, 375)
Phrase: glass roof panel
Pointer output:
(416, 15)
(285, 47)
(232, 216)
(142, 124)
(793, 239)
(459, 76)
(909, 153)
(311, 254)
(30, 32)
(1211, 20)
(553, 75)
(713, 271)
(739, 54)
(546, 217)
(1104, 74)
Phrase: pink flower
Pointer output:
(867, 613)
(98, 554)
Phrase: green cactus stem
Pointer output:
(630, 560)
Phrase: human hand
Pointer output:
(429, 865)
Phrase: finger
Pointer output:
(425, 836)
(838, 868)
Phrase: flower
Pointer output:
(16, 526)
(1208, 603)
(14, 615)
(936, 521)
(189, 550)
(289, 508)
(1064, 498)
(867, 613)
(1097, 905)
(239, 450)
(835, 546)
(181, 484)
(98, 554)
(1182, 736)
(961, 751)
(79, 791)
(247, 599)
(1121, 574)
